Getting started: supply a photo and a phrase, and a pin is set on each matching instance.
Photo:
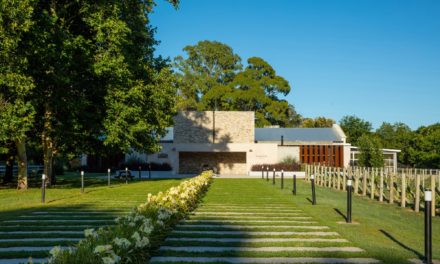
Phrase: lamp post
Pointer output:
(312, 179)
(82, 181)
(126, 175)
(273, 177)
(108, 176)
(267, 173)
(349, 191)
(262, 172)
(282, 179)
(43, 188)
(294, 184)
(428, 227)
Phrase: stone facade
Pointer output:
(232, 163)
(218, 127)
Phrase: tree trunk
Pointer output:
(9, 168)
(22, 165)
(48, 147)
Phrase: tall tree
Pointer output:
(97, 82)
(355, 127)
(424, 151)
(211, 77)
(370, 151)
(317, 122)
(396, 136)
(16, 112)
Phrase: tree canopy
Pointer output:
(355, 127)
(211, 77)
(318, 122)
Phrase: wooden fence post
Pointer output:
(356, 180)
(338, 187)
(433, 194)
(403, 192)
(364, 182)
(391, 175)
(381, 186)
(417, 198)
(372, 188)
(344, 177)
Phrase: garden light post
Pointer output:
(43, 188)
(139, 171)
(267, 173)
(349, 191)
(82, 181)
(149, 171)
(273, 177)
(126, 175)
(294, 184)
(282, 179)
(262, 172)
(108, 176)
(312, 179)
(428, 227)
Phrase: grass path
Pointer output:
(29, 228)
(247, 221)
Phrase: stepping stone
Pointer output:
(22, 260)
(57, 220)
(256, 233)
(261, 249)
(39, 239)
(248, 221)
(255, 240)
(27, 249)
(249, 217)
(245, 213)
(39, 232)
(263, 260)
(244, 227)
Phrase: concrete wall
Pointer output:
(229, 163)
(286, 151)
(219, 127)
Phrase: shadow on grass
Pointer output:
(391, 237)
(340, 213)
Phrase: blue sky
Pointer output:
(376, 59)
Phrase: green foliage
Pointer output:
(424, 151)
(355, 127)
(396, 136)
(212, 77)
(317, 122)
(370, 149)
(289, 160)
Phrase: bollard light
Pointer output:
(273, 177)
(267, 173)
(262, 172)
(82, 181)
(428, 227)
(294, 185)
(108, 176)
(140, 172)
(312, 179)
(126, 175)
(349, 191)
(43, 188)
(149, 171)
(282, 179)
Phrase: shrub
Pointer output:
(289, 160)
(277, 167)
(135, 235)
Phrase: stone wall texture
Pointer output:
(232, 163)
(220, 127)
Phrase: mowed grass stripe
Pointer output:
(251, 233)
(212, 227)
(273, 260)
(261, 249)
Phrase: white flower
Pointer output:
(108, 260)
(121, 242)
(143, 242)
(55, 251)
(160, 223)
(102, 249)
(90, 233)
(136, 236)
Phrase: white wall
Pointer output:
(286, 151)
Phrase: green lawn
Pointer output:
(385, 232)
(67, 209)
